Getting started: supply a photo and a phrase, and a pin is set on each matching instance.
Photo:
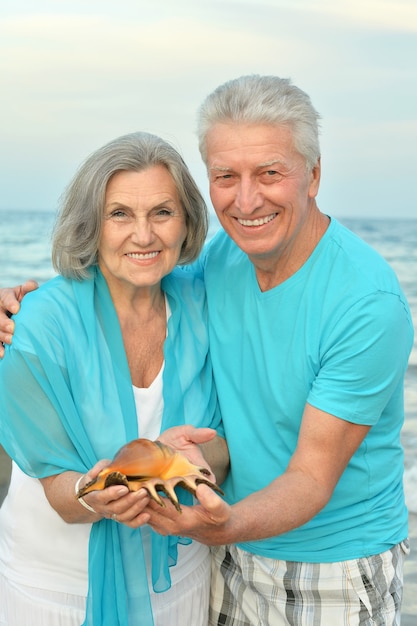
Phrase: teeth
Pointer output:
(258, 222)
(137, 255)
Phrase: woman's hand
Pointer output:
(115, 502)
(10, 298)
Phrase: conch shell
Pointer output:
(154, 466)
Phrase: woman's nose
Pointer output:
(143, 232)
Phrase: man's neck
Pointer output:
(273, 272)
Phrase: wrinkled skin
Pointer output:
(154, 466)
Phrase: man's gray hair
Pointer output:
(258, 99)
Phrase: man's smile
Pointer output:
(260, 221)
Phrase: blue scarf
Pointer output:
(67, 401)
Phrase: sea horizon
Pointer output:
(25, 253)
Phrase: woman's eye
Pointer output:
(118, 214)
(163, 213)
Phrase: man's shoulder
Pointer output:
(221, 249)
(343, 259)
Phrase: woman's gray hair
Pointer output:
(258, 99)
(78, 227)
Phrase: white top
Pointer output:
(37, 548)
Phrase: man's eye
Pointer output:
(223, 178)
(271, 176)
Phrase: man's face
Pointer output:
(260, 188)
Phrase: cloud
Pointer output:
(76, 74)
(71, 69)
(400, 15)
(374, 14)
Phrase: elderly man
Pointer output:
(310, 335)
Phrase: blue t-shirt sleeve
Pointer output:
(198, 266)
(363, 359)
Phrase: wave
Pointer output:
(410, 487)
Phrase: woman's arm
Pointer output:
(114, 502)
(201, 445)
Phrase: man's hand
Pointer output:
(10, 299)
(206, 522)
(325, 446)
(186, 439)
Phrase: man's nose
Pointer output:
(248, 196)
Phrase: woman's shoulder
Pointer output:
(49, 293)
(53, 300)
(186, 282)
(186, 294)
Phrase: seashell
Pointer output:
(154, 466)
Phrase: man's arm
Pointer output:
(324, 449)
(10, 298)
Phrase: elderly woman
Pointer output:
(113, 349)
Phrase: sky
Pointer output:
(76, 74)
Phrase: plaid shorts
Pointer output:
(249, 590)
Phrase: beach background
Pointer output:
(25, 253)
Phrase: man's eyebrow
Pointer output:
(272, 162)
(219, 168)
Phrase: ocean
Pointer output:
(25, 253)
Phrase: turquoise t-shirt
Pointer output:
(337, 335)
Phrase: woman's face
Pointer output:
(144, 228)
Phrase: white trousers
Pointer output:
(185, 604)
